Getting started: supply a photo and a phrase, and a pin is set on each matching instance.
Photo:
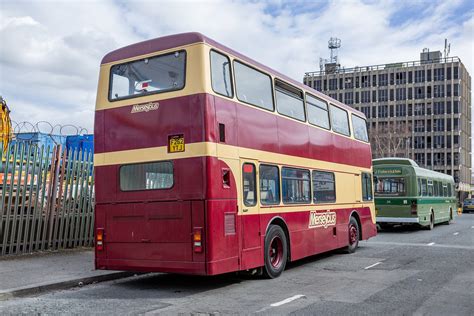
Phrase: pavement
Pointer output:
(36, 273)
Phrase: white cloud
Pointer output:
(51, 50)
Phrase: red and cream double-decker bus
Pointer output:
(208, 162)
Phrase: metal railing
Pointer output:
(46, 198)
(383, 66)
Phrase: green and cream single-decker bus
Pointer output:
(408, 194)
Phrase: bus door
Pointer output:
(251, 254)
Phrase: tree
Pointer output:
(390, 139)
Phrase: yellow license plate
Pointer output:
(176, 143)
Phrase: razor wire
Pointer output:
(27, 130)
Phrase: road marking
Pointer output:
(406, 244)
(456, 233)
(372, 265)
(287, 300)
(431, 244)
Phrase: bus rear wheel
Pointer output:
(431, 225)
(354, 233)
(276, 252)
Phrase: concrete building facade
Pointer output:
(419, 109)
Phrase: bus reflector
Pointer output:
(99, 239)
(414, 208)
(197, 239)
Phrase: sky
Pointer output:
(50, 51)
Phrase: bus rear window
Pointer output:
(148, 76)
(390, 186)
(146, 176)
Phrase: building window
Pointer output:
(383, 111)
(419, 92)
(332, 84)
(438, 91)
(438, 141)
(383, 79)
(365, 97)
(419, 75)
(348, 83)
(419, 109)
(401, 78)
(456, 90)
(401, 94)
(401, 110)
(383, 95)
(348, 98)
(419, 125)
(438, 74)
(317, 85)
(438, 125)
(438, 107)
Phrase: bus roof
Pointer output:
(171, 41)
(421, 172)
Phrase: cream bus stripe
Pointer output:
(225, 151)
(153, 154)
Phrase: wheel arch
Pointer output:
(356, 215)
(279, 221)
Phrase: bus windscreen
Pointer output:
(147, 76)
(390, 186)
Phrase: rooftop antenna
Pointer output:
(334, 44)
(447, 48)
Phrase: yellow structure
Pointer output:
(5, 123)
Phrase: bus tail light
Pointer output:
(99, 239)
(414, 206)
(197, 239)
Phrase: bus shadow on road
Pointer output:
(401, 229)
(175, 285)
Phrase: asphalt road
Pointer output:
(404, 271)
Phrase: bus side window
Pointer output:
(220, 74)
(435, 187)
(324, 187)
(419, 187)
(366, 186)
(424, 189)
(450, 190)
(430, 187)
(269, 185)
(249, 187)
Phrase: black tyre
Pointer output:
(276, 252)
(353, 235)
(431, 225)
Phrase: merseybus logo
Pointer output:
(322, 219)
(147, 107)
